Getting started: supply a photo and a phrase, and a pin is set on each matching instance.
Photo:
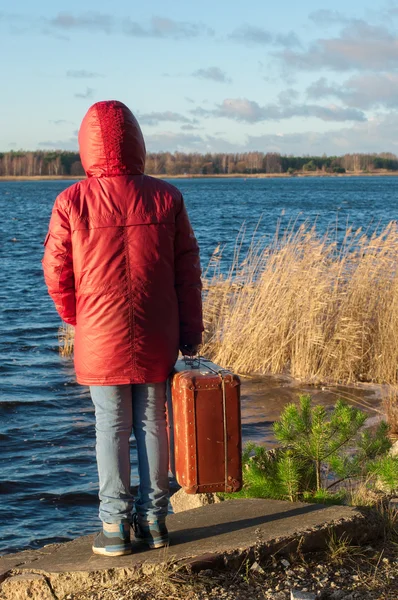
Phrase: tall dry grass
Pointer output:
(304, 305)
(66, 339)
(390, 406)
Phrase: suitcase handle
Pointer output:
(195, 362)
(192, 361)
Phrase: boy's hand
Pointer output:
(189, 349)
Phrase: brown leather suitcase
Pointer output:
(204, 418)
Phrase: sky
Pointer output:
(209, 76)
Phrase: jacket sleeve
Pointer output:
(58, 265)
(188, 283)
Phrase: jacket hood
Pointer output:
(111, 141)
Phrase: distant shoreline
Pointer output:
(214, 176)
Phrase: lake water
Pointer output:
(48, 478)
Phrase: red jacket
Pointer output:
(121, 261)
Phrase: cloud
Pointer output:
(19, 23)
(240, 109)
(68, 144)
(366, 91)
(377, 135)
(87, 94)
(154, 118)
(325, 17)
(212, 73)
(158, 27)
(252, 35)
(288, 40)
(359, 46)
(325, 113)
(169, 141)
(248, 34)
(163, 27)
(61, 122)
(90, 21)
(248, 111)
(288, 96)
(82, 74)
(390, 12)
(189, 127)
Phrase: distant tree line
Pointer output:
(41, 163)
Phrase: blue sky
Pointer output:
(291, 77)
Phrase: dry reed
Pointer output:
(390, 406)
(304, 305)
(307, 306)
(66, 339)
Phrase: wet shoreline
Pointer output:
(309, 174)
(264, 397)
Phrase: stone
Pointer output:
(257, 569)
(28, 586)
(297, 595)
(338, 595)
(394, 449)
(393, 504)
(181, 501)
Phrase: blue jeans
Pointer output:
(119, 409)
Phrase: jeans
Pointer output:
(119, 409)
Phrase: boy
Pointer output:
(122, 265)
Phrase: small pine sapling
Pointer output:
(315, 443)
(314, 435)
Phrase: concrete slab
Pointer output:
(213, 535)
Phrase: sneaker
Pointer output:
(152, 533)
(113, 540)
